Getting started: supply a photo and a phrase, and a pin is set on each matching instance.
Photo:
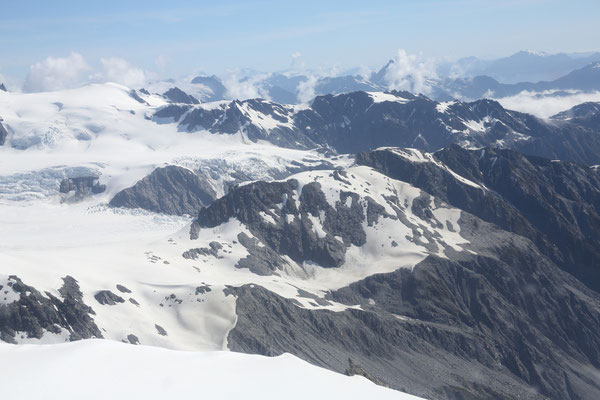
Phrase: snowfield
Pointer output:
(102, 130)
(100, 369)
(46, 237)
(167, 301)
(102, 247)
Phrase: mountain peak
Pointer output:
(177, 95)
(534, 53)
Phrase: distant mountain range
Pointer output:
(469, 78)
(423, 245)
(524, 66)
(586, 79)
(560, 75)
(358, 121)
(285, 89)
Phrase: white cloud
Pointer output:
(118, 70)
(245, 88)
(58, 73)
(306, 89)
(410, 72)
(544, 104)
(365, 72)
(55, 73)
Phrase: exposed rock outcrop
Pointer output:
(177, 95)
(212, 250)
(3, 133)
(503, 324)
(361, 121)
(271, 214)
(77, 188)
(33, 314)
(169, 190)
(106, 297)
(555, 204)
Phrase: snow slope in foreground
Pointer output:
(102, 369)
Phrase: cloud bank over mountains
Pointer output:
(413, 72)
(408, 72)
(547, 104)
(118, 70)
(55, 73)
(72, 71)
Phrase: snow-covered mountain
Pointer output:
(252, 226)
(361, 121)
(585, 114)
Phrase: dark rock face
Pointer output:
(174, 111)
(261, 260)
(238, 117)
(442, 183)
(169, 190)
(271, 214)
(354, 122)
(515, 316)
(123, 289)
(359, 125)
(585, 114)
(212, 250)
(82, 186)
(3, 134)
(177, 95)
(133, 339)
(3, 88)
(106, 297)
(356, 369)
(504, 324)
(134, 95)
(161, 331)
(35, 313)
(555, 204)
(203, 289)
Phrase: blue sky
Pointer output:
(178, 37)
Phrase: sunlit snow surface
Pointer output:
(44, 239)
(101, 130)
(96, 369)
